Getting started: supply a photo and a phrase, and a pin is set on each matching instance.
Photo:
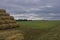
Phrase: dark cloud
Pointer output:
(36, 9)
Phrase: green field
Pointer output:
(34, 30)
(38, 24)
(41, 30)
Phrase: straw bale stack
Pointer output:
(7, 25)
(5, 19)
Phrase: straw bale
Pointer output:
(6, 21)
(8, 17)
(4, 14)
(2, 10)
(16, 25)
(11, 17)
(8, 26)
(4, 26)
(7, 14)
(12, 21)
(6, 34)
(0, 26)
(13, 25)
(1, 14)
(2, 21)
(18, 36)
(5, 17)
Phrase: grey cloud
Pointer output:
(42, 8)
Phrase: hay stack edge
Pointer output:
(7, 22)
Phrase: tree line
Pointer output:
(23, 20)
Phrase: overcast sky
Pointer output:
(32, 9)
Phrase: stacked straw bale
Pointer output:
(6, 20)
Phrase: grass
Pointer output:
(38, 24)
(41, 30)
(33, 30)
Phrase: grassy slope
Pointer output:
(39, 32)
(36, 30)
(53, 34)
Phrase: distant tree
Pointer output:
(23, 20)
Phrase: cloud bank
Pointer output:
(32, 9)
